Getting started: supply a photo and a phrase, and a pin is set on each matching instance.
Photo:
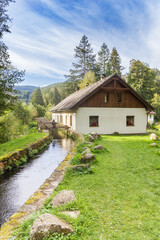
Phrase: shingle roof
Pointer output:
(73, 100)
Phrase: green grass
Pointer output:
(121, 199)
(20, 143)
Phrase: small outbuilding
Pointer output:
(107, 106)
(151, 117)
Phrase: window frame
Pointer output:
(61, 118)
(70, 120)
(106, 98)
(132, 121)
(119, 97)
(97, 121)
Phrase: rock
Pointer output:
(73, 214)
(95, 135)
(87, 158)
(98, 147)
(154, 144)
(91, 138)
(63, 197)
(153, 136)
(80, 166)
(87, 151)
(46, 224)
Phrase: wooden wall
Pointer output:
(128, 99)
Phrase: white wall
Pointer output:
(111, 120)
(73, 126)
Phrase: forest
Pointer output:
(19, 107)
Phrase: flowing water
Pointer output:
(18, 186)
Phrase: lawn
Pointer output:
(120, 199)
(20, 143)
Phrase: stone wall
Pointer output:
(16, 158)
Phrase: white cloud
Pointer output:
(45, 46)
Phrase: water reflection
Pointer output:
(17, 187)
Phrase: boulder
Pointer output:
(153, 136)
(63, 197)
(95, 135)
(87, 151)
(73, 214)
(87, 158)
(98, 147)
(47, 224)
(80, 166)
(90, 138)
(154, 144)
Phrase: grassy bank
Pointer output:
(118, 198)
(20, 143)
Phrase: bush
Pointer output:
(40, 111)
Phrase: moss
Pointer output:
(20, 156)
(17, 216)
(8, 227)
(34, 198)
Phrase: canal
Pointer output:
(18, 186)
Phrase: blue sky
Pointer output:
(45, 33)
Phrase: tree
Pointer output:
(56, 96)
(9, 75)
(21, 111)
(103, 60)
(37, 97)
(115, 62)
(156, 105)
(142, 78)
(4, 18)
(157, 73)
(84, 61)
(89, 78)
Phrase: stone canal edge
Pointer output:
(37, 199)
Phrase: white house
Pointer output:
(107, 106)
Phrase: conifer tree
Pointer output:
(56, 96)
(84, 61)
(37, 97)
(115, 62)
(103, 60)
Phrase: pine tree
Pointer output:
(142, 79)
(37, 97)
(115, 62)
(103, 60)
(84, 61)
(9, 75)
(56, 96)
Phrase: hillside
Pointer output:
(24, 92)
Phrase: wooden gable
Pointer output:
(112, 88)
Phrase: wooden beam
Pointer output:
(114, 89)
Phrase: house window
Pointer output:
(130, 121)
(93, 121)
(66, 120)
(70, 120)
(106, 97)
(61, 119)
(119, 97)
